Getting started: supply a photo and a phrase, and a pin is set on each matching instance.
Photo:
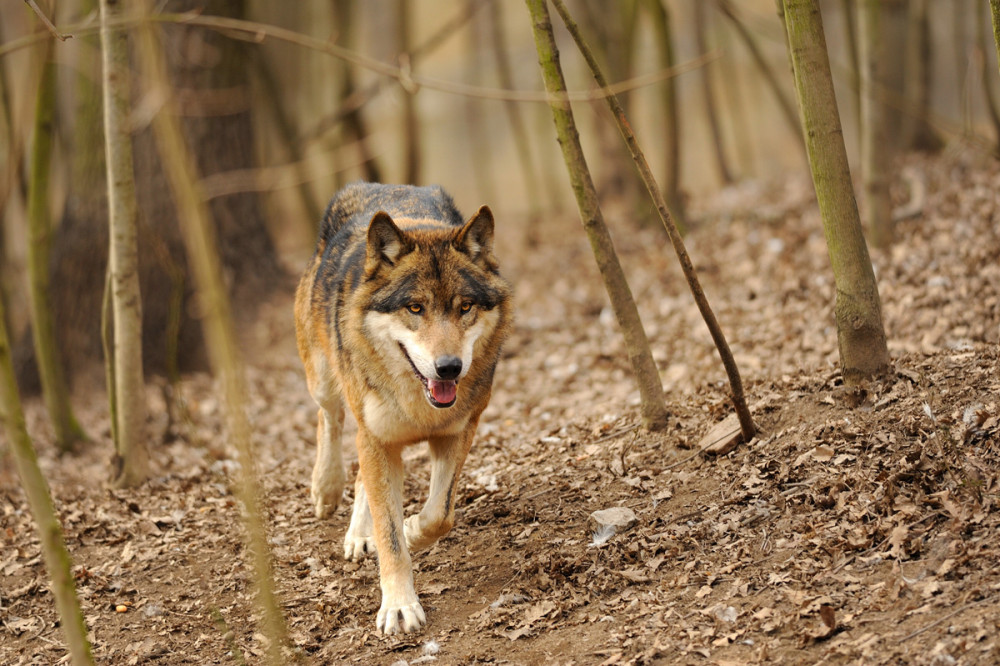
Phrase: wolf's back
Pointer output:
(356, 203)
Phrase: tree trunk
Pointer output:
(916, 131)
(55, 389)
(876, 150)
(127, 396)
(747, 426)
(848, 8)
(995, 15)
(522, 139)
(480, 130)
(708, 92)
(785, 103)
(209, 69)
(986, 76)
(411, 128)
(653, 408)
(354, 122)
(662, 27)
(857, 310)
(57, 560)
(181, 172)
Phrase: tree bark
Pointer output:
(57, 560)
(127, 395)
(653, 407)
(747, 426)
(200, 244)
(857, 310)
(876, 149)
(55, 389)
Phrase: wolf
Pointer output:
(402, 313)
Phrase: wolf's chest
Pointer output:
(393, 423)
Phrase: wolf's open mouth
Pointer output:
(440, 392)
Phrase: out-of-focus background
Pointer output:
(279, 123)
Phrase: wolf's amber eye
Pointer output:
(415, 308)
(465, 307)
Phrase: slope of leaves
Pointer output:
(860, 526)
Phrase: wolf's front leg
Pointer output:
(328, 473)
(360, 538)
(437, 516)
(382, 473)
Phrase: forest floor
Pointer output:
(859, 526)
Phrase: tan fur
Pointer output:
(360, 342)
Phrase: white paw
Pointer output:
(396, 619)
(326, 501)
(358, 547)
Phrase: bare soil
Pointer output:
(860, 526)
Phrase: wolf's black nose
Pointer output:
(448, 367)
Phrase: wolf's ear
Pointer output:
(386, 242)
(476, 238)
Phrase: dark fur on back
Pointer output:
(357, 202)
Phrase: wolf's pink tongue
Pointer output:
(443, 390)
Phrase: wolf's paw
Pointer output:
(357, 547)
(401, 619)
(326, 501)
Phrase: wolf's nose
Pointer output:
(448, 367)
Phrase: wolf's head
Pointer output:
(437, 303)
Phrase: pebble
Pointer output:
(618, 518)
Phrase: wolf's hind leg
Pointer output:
(438, 514)
(359, 540)
(328, 473)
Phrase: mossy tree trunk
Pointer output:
(857, 310)
(995, 15)
(127, 394)
(653, 408)
(55, 388)
(876, 150)
(57, 560)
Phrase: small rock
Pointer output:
(618, 518)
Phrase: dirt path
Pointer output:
(859, 527)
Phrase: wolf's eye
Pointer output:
(415, 308)
(465, 307)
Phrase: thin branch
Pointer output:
(258, 32)
(46, 22)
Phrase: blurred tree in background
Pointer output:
(277, 125)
